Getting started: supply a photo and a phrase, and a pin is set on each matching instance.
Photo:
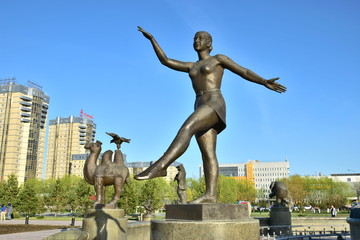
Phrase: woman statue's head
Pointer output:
(202, 40)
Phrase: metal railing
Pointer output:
(303, 232)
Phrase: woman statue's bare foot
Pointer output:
(153, 171)
(206, 198)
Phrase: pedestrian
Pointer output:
(3, 212)
(333, 211)
(9, 211)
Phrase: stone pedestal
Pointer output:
(280, 221)
(105, 224)
(354, 222)
(148, 217)
(206, 222)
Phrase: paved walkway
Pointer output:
(35, 235)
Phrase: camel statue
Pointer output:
(107, 173)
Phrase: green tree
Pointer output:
(83, 193)
(28, 198)
(227, 190)
(320, 192)
(9, 190)
(155, 189)
(196, 188)
(130, 197)
(246, 191)
(55, 198)
(296, 188)
(68, 184)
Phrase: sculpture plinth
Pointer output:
(105, 224)
(280, 220)
(203, 212)
(210, 221)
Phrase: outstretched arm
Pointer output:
(250, 75)
(171, 63)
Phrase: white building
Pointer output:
(346, 177)
(260, 173)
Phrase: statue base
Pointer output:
(280, 220)
(105, 224)
(148, 217)
(207, 221)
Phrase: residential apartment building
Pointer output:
(260, 173)
(66, 140)
(23, 113)
(138, 167)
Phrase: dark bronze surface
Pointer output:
(279, 190)
(106, 173)
(181, 181)
(208, 118)
(117, 139)
(148, 206)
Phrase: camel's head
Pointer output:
(93, 147)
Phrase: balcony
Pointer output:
(25, 98)
(82, 131)
(82, 127)
(25, 120)
(25, 114)
(45, 106)
(27, 104)
(82, 135)
(25, 109)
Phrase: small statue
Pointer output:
(148, 207)
(181, 181)
(279, 190)
(106, 173)
(117, 140)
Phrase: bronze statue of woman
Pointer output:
(208, 118)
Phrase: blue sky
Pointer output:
(89, 55)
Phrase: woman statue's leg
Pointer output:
(207, 144)
(202, 119)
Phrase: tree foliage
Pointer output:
(246, 191)
(9, 190)
(29, 200)
(320, 192)
(227, 190)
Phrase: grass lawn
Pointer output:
(18, 228)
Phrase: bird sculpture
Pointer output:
(117, 139)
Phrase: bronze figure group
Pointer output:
(205, 123)
(106, 173)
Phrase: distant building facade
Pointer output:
(66, 153)
(138, 167)
(260, 173)
(23, 113)
(346, 177)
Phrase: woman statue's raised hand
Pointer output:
(146, 34)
